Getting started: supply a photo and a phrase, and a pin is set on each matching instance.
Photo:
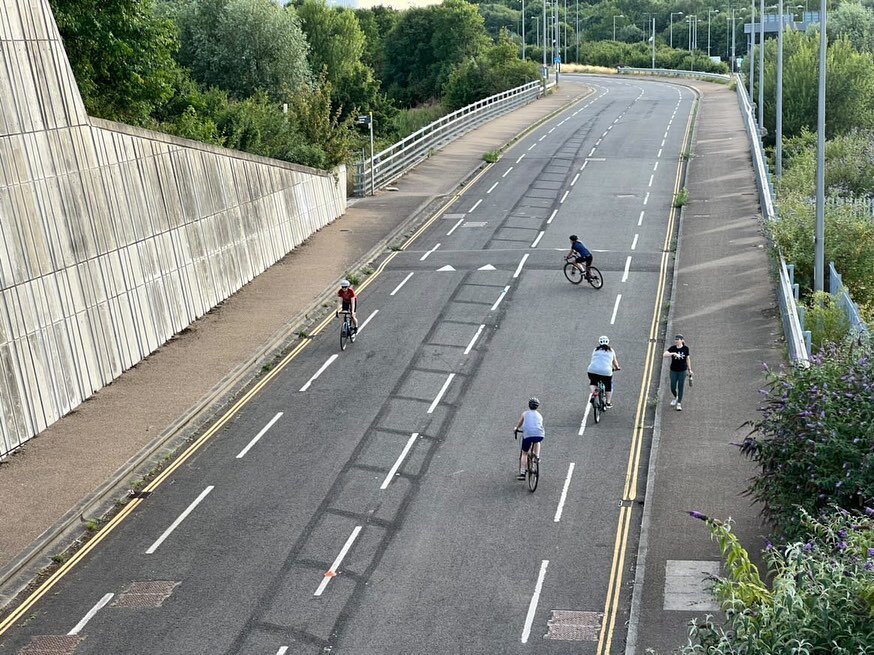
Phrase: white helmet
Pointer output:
(345, 283)
(604, 341)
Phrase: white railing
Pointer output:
(797, 340)
(670, 72)
(397, 159)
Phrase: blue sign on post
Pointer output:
(557, 60)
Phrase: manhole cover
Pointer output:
(51, 645)
(146, 594)
(570, 625)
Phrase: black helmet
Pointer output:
(533, 403)
(573, 237)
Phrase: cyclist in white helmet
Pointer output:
(531, 424)
(348, 301)
(601, 367)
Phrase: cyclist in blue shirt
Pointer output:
(579, 254)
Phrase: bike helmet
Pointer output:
(604, 341)
(574, 237)
(533, 403)
(345, 284)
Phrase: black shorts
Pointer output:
(587, 260)
(529, 441)
(347, 306)
(594, 378)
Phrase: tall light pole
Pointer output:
(577, 32)
(819, 242)
(709, 11)
(545, 69)
(779, 153)
(614, 23)
(761, 66)
(752, 48)
(671, 29)
(555, 42)
(523, 30)
(653, 42)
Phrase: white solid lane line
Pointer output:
(564, 197)
(492, 188)
(507, 172)
(634, 243)
(439, 397)
(537, 240)
(403, 282)
(532, 606)
(425, 256)
(554, 212)
(646, 198)
(615, 308)
(627, 266)
(519, 267)
(332, 572)
(455, 227)
(522, 156)
(567, 483)
(473, 341)
(90, 615)
(576, 177)
(585, 416)
(640, 220)
(394, 469)
(179, 520)
(500, 298)
(321, 370)
(258, 436)
(475, 205)
(366, 321)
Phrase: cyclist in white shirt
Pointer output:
(531, 424)
(601, 367)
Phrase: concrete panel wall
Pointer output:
(113, 238)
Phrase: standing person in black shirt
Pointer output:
(681, 364)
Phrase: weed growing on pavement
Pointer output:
(395, 247)
(687, 155)
(354, 279)
(491, 157)
(92, 525)
(681, 198)
(367, 270)
(60, 558)
(303, 334)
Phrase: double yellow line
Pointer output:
(632, 471)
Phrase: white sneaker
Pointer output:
(679, 407)
(673, 402)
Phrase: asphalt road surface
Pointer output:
(365, 501)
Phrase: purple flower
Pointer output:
(698, 515)
(842, 533)
(808, 547)
(869, 566)
(768, 544)
(871, 552)
(842, 545)
(869, 511)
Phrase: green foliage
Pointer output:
(815, 439)
(849, 92)
(681, 198)
(244, 46)
(849, 165)
(639, 55)
(376, 23)
(822, 597)
(853, 21)
(492, 156)
(631, 34)
(827, 322)
(121, 53)
(496, 69)
(497, 17)
(410, 120)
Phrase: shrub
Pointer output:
(826, 320)
(815, 439)
(681, 198)
(821, 598)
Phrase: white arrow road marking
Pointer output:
(445, 269)
(487, 267)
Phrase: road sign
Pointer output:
(557, 60)
(364, 119)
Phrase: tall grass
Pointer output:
(408, 121)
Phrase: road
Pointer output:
(365, 501)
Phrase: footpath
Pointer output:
(722, 301)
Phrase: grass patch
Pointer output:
(354, 279)
(303, 334)
(492, 156)
(411, 120)
(367, 270)
(686, 155)
(682, 198)
(92, 525)
(583, 68)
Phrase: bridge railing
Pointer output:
(669, 72)
(797, 340)
(397, 159)
(836, 287)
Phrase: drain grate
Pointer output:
(145, 594)
(51, 645)
(570, 625)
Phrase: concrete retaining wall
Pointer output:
(113, 238)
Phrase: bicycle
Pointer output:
(599, 399)
(532, 472)
(575, 275)
(347, 331)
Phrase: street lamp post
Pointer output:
(577, 32)
(709, 11)
(819, 243)
(779, 153)
(523, 30)
(614, 24)
(671, 29)
(762, 65)
(751, 50)
(653, 43)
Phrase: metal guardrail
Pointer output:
(397, 159)
(836, 287)
(670, 72)
(797, 340)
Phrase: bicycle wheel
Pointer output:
(595, 278)
(572, 273)
(596, 409)
(344, 335)
(533, 472)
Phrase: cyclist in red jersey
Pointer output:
(348, 301)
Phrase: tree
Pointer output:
(497, 17)
(376, 23)
(121, 53)
(631, 34)
(855, 22)
(244, 46)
